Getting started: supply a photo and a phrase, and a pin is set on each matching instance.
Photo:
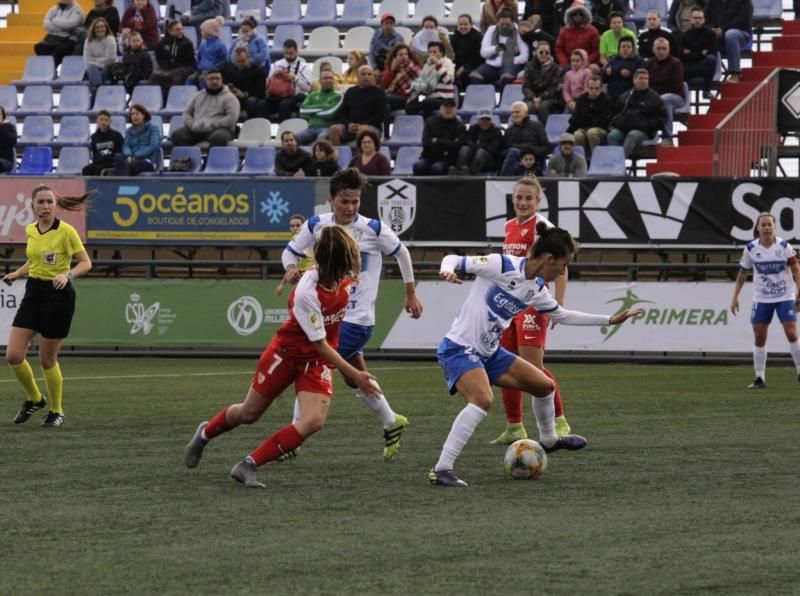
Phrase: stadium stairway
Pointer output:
(695, 151)
(24, 30)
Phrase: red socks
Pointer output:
(285, 440)
(217, 425)
(512, 403)
(557, 398)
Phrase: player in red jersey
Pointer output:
(528, 331)
(302, 352)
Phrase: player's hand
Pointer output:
(450, 276)
(292, 276)
(279, 289)
(413, 306)
(734, 306)
(624, 316)
(9, 279)
(366, 381)
(60, 282)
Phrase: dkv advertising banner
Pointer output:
(678, 317)
(16, 208)
(195, 211)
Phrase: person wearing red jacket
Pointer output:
(577, 34)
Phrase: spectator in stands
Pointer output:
(254, 42)
(106, 10)
(291, 160)
(174, 57)
(652, 32)
(666, 79)
(609, 41)
(8, 142)
(362, 105)
(591, 117)
(434, 84)
(642, 115)
(319, 108)
(521, 133)
(355, 60)
(136, 65)
(532, 33)
(699, 51)
(369, 160)
(202, 10)
(210, 116)
(142, 18)
(491, 9)
(326, 66)
(540, 85)
(104, 144)
(212, 54)
(732, 23)
(289, 82)
(522, 165)
(324, 160)
(504, 51)
(429, 32)
(466, 42)
(602, 11)
(680, 15)
(398, 75)
(63, 23)
(99, 53)
(141, 150)
(575, 79)
(577, 33)
(442, 138)
(482, 147)
(247, 81)
(566, 164)
(540, 14)
(618, 75)
(382, 42)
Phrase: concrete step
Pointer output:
(685, 153)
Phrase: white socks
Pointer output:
(464, 425)
(794, 349)
(545, 411)
(380, 406)
(760, 361)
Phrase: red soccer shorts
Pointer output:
(528, 328)
(275, 373)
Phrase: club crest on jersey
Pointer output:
(524, 232)
(397, 204)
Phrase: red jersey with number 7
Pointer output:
(521, 236)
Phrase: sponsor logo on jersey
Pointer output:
(397, 204)
(529, 324)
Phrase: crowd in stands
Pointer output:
(616, 85)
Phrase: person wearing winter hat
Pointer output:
(577, 33)
(212, 53)
(382, 42)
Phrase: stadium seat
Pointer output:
(768, 10)
(319, 13)
(284, 12)
(477, 97)
(73, 130)
(386, 152)
(399, 8)
(71, 160)
(119, 123)
(686, 108)
(334, 61)
(193, 153)
(36, 161)
(71, 72)
(190, 33)
(36, 130)
(406, 33)
(178, 98)
(39, 70)
(354, 13)
(8, 98)
(149, 96)
(510, 94)
(255, 132)
(406, 130)
(158, 122)
(321, 42)
(557, 124)
(404, 162)
(73, 100)
(221, 160)
(470, 7)
(607, 161)
(357, 38)
(259, 161)
(251, 8)
(226, 35)
(345, 155)
(37, 99)
(642, 7)
(284, 32)
(423, 8)
(111, 98)
(175, 122)
(175, 8)
(293, 124)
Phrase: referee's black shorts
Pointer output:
(45, 309)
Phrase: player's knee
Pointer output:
(310, 425)
(484, 402)
(13, 357)
(544, 388)
(248, 416)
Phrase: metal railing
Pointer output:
(746, 140)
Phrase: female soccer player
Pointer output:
(528, 331)
(302, 352)
(470, 353)
(775, 263)
(49, 301)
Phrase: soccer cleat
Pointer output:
(289, 455)
(513, 432)
(52, 420)
(568, 442)
(391, 437)
(446, 478)
(757, 384)
(28, 408)
(194, 448)
(245, 472)
(562, 427)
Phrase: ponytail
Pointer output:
(555, 241)
(69, 203)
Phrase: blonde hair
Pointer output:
(531, 181)
(758, 221)
(69, 203)
(337, 256)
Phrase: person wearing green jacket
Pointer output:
(609, 41)
(319, 107)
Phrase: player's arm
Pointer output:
(363, 379)
(413, 306)
(546, 304)
(294, 252)
(795, 268)
(741, 278)
(9, 278)
(485, 266)
(81, 268)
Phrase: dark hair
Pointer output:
(526, 151)
(438, 44)
(241, 50)
(299, 216)
(170, 24)
(697, 8)
(614, 14)
(327, 147)
(595, 77)
(68, 203)
(251, 21)
(466, 16)
(505, 14)
(393, 53)
(628, 39)
(211, 71)
(641, 71)
(431, 18)
(289, 43)
(288, 132)
(758, 220)
(347, 179)
(143, 110)
(367, 132)
(3, 112)
(554, 241)
(104, 112)
(337, 255)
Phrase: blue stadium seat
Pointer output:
(8, 98)
(406, 130)
(221, 161)
(557, 124)
(111, 98)
(73, 130)
(607, 161)
(642, 7)
(404, 162)
(284, 12)
(190, 33)
(36, 130)
(259, 161)
(192, 153)
(71, 160)
(74, 100)
(149, 96)
(477, 97)
(511, 93)
(226, 35)
(284, 32)
(254, 8)
(768, 10)
(36, 161)
(355, 12)
(37, 99)
(72, 71)
(320, 12)
(175, 122)
(399, 8)
(119, 123)
(345, 155)
(39, 70)
(175, 8)
(386, 152)
(177, 100)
